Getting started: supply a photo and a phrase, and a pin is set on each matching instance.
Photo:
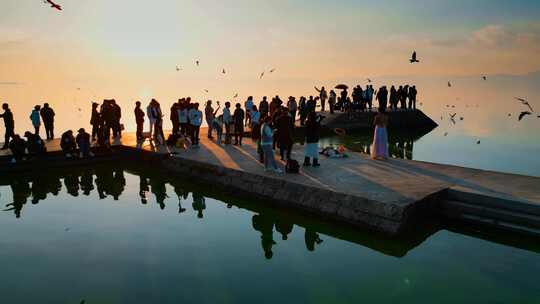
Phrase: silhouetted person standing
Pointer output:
(95, 120)
(139, 120)
(117, 115)
(393, 98)
(238, 118)
(263, 107)
(412, 98)
(332, 101)
(382, 97)
(35, 118)
(9, 123)
(195, 121)
(47, 115)
(174, 118)
(323, 95)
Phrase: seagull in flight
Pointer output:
(262, 75)
(197, 62)
(523, 114)
(178, 69)
(484, 77)
(524, 102)
(53, 5)
(272, 70)
(413, 58)
(453, 118)
(235, 95)
(206, 90)
(223, 71)
(449, 84)
(478, 142)
(368, 80)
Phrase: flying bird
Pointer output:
(235, 95)
(197, 62)
(449, 84)
(262, 75)
(272, 70)
(509, 114)
(524, 102)
(523, 114)
(223, 71)
(178, 69)
(478, 142)
(206, 90)
(484, 77)
(53, 5)
(413, 58)
(368, 80)
(453, 118)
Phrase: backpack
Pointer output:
(292, 166)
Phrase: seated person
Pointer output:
(68, 144)
(332, 152)
(83, 141)
(17, 145)
(35, 145)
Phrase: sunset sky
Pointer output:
(128, 49)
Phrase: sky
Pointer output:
(129, 49)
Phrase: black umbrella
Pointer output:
(342, 87)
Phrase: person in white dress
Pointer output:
(379, 148)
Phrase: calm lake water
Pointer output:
(113, 236)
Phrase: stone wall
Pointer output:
(358, 211)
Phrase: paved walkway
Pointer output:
(394, 181)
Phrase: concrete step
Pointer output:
(495, 201)
(500, 218)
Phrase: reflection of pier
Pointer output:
(384, 196)
(272, 223)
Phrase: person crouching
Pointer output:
(35, 145)
(67, 143)
(17, 145)
(83, 141)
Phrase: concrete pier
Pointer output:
(385, 196)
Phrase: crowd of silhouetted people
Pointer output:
(271, 124)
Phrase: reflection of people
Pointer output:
(39, 190)
(144, 188)
(284, 227)
(198, 204)
(87, 182)
(160, 192)
(265, 225)
(21, 192)
(72, 184)
(118, 184)
(180, 193)
(103, 181)
(311, 238)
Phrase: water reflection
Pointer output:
(110, 183)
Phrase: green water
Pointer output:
(113, 236)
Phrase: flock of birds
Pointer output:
(452, 117)
(414, 59)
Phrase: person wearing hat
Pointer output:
(67, 143)
(83, 141)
